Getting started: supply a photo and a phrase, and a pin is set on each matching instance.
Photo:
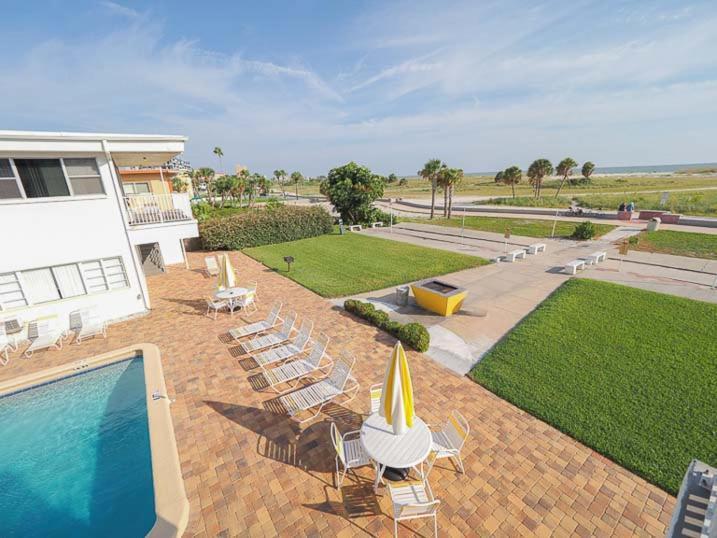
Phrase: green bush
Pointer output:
(584, 230)
(264, 227)
(414, 335)
(273, 203)
(380, 216)
(201, 211)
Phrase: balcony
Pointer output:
(157, 208)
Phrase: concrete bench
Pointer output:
(573, 266)
(535, 248)
(378, 224)
(515, 254)
(595, 257)
(355, 228)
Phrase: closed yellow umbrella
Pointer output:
(227, 278)
(397, 395)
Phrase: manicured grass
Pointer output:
(630, 373)
(694, 245)
(336, 266)
(526, 227)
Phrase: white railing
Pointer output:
(157, 208)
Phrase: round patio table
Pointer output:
(231, 295)
(398, 451)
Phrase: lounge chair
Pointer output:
(264, 341)
(295, 370)
(448, 442)
(212, 266)
(7, 343)
(413, 500)
(43, 335)
(322, 392)
(271, 321)
(90, 324)
(296, 346)
(349, 451)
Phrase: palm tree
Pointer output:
(538, 169)
(443, 181)
(205, 176)
(587, 171)
(240, 186)
(499, 177)
(512, 176)
(219, 153)
(280, 175)
(296, 178)
(430, 172)
(565, 168)
(455, 177)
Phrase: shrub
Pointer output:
(273, 203)
(584, 230)
(264, 227)
(378, 215)
(201, 211)
(414, 335)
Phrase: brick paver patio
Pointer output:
(250, 471)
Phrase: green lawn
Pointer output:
(630, 373)
(337, 266)
(694, 245)
(526, 227)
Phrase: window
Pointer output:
(8, 181)
(42, 178)
(84, 176)
(136, 188)
(45, 284)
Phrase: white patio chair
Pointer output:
(249, 299)
(264, 341)
(90, 324)
(271, 321)
(296, 346)
(349, 452)
(448, 442)
(300, 368)
(42, 335)
(375, 393)
(212, 266)
(7, 343)
(216, 305)
(322, 392)
(413, 500)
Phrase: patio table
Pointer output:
(389, 450)
(231, 295)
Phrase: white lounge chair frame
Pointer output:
(270, 322)
(280, 353)
(295, 370)
(91, 324)
(212, 266)
(42, 335)
(7, 343)
(413, 500)
(448, 442)
(264, 341)
(375, 392)
(349, 452)
(322, 392)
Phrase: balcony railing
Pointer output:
(157, 208)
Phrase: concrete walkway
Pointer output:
(502, 294)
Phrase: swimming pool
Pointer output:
(77, 447)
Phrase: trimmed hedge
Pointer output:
(264, 227)
(414, 335)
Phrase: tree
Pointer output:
(224, 185)
(392, 178)
(454, 177)
(296, 178)
(280, 175)
(499, 177)
(587, 171)
(512, 176)
(565, 168)
(538, 169)
(219, 153)
(352, 189)
(240, 186)
(204, 176)
(430, 172)
(179, 184)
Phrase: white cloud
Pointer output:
(119, 9)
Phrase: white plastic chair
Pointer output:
(249, 299)
(212, 266)
(7, 343)
(349, 452)
(375, 392)
(42, 335)
(448, 442)
(413, 500)
(272, 320)
(216, 305)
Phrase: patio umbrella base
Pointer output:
(395, 475)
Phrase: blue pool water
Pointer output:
(75, 457)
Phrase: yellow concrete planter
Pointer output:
(440, 297)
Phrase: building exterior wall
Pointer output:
(168, 235)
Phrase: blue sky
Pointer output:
(308, 85)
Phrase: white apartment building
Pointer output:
(71, 237)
